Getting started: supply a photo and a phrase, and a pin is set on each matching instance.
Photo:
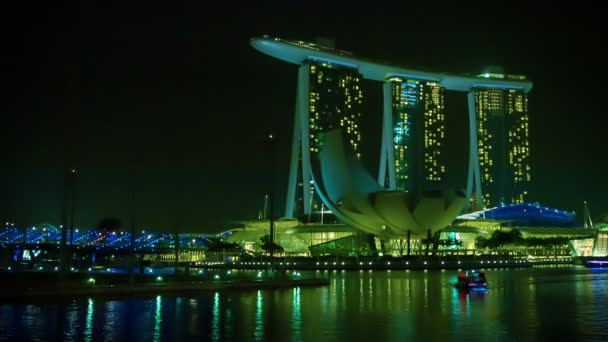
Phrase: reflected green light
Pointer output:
(297, 315)
(258, 334)
(72, 321)
(88, 329)
(157, 319)
(215, 324)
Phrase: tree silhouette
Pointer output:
(269, 246)
(514, 237)
(218, 245)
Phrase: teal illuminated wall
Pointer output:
(418, 133)
(503, 145)
(335, 100)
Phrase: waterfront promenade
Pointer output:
(41, 285)
(215, 275)
(391, 263)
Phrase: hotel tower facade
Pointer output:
(412, 151)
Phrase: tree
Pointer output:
(218, 245)
(269, 246)
(481, 242)
(514, 237)
(450, 242)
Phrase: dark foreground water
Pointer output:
(521, 305)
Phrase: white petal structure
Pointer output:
(358, 200)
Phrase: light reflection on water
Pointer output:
(296, 327)
(88, 330)
(215, 323)
(158, 319)
(258, 334)
(525, 304)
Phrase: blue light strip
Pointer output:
(416, 77)
(331, 61)
(497, 86)
(598, 262)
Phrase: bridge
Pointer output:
(41, 244)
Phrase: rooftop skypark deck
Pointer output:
(298, 52)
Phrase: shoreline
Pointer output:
(72, 292)
(429, 263)
(24, 285)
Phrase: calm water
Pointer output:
(521, 305)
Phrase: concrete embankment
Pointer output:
(430, 263)
(153, 289)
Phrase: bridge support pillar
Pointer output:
(474, 174)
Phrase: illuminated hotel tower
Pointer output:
(503, 143)
(329, 96)
(413, 135)
(413, 129)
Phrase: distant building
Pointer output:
(335, 99)
(418, 133)
(503, 143)
(412, 158)
(329, 96)
(525, 215)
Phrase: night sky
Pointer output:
(175, 103)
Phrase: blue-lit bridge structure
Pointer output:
(40, 245)
(147, 241)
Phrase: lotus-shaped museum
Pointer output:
(358, 200)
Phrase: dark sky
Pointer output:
(176, 99)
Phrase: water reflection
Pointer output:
(531, 299)
(113, 320)
(88, 328)
(296, 327)
(357, 306)
(193, 326)
(71, 322)
(28, 320)
(215, 323)
(158, 318)
(258, 334)
(361, 291)
(228, 321)
(370, 292)
(426, 288)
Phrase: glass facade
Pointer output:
(335, 100)
(418, 133)
(503, 142)
(600, 244)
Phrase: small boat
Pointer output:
(594, 262)
(472, 279)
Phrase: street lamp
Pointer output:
(68, 192)
(73, 185)
(270, 141)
